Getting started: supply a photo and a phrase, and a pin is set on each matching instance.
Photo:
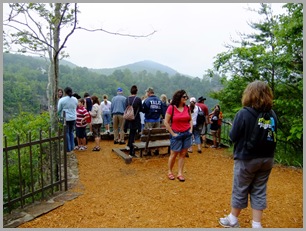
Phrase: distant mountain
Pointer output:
(147, 65)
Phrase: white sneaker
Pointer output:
(89, 134)
(225, 222)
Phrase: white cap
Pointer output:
(192, 99)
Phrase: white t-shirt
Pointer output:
(106, 107)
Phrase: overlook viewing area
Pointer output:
(105, 192)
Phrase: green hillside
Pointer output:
(25, 81)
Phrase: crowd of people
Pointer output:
(251, 172)
(150, 112)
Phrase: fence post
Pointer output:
(7, 176)
(65, 152)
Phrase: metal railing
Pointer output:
(285, 153)
(34, 170)
(225, 129)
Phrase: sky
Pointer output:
(188, 35)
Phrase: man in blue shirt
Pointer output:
(117, 109)
(152, 107)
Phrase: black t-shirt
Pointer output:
(88, 104)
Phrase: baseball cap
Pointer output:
(150, 89)
(119, 89)
(192, 99)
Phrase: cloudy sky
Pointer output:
(188, 35)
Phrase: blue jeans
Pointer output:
(70, 135)
(196, 135)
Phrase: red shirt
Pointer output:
(180, 120)
(203, 107)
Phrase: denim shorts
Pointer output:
(181, 141)
(106, 117)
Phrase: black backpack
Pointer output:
(200, 117)
(262, 138)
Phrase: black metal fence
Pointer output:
(34, 170)
(225, 129)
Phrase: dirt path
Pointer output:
(139, 195)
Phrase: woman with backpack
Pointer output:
(134, 124)
(252, 167)
(197, 128)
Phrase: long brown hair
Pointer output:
(176, 99)
(105, 97)
(258, 95)
(95, 99)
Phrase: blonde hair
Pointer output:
(163, 98)
(258, 95)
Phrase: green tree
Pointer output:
(36, 28)
(39, 28)
(274, 55)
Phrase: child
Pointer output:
(82, 116)
(214, 126)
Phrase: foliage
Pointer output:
(25, 72)
(274, 55)
(23, 167)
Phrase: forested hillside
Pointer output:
(25, 82)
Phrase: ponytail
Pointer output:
(68, 91)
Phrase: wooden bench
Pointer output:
(153, 138)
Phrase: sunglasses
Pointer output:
(185, 96)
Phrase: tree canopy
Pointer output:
(274, 54)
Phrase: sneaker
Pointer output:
(82, 148)
(76, 148)
(213, 146)
(225, 222)
(116, 142)
(121, 142)
(127, 148)
(89, 134)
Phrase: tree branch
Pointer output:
(115, 33)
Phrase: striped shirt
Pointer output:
(81, 112)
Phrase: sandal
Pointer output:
(96, 149)
(171, 176)
(181, 178)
